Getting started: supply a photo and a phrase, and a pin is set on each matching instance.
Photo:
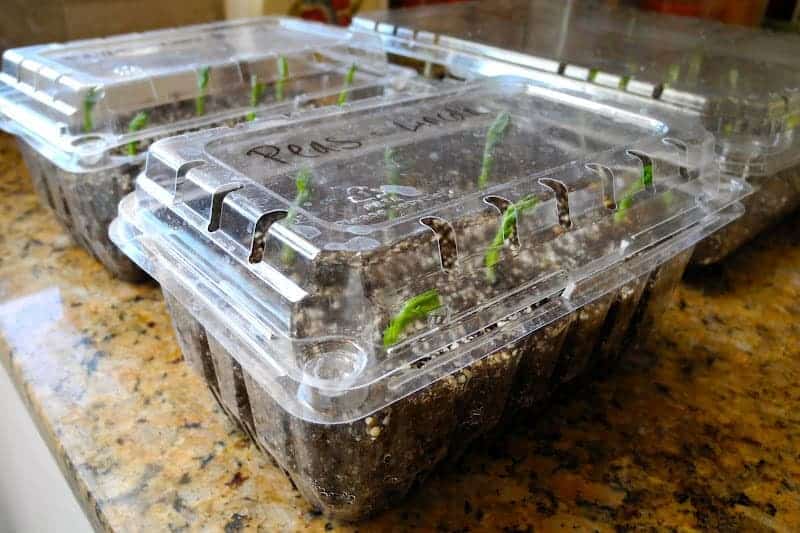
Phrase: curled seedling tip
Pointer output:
(494, 136)
(506, 231)
(348, 81)
(203, 77)
(137, 123)
(416, 308)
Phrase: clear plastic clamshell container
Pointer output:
(86, 111)
(743, 82)
(367, 291)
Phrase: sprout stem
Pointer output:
(303, 187)
(348, 81)
(283, 75)
(89, 102)
(137, 123)
(256, 92)
(634, 188)
(416, 308)
(203, 76)
(493, 137)
(507, 229)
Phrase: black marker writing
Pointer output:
(313, 150)
(297, 150)
(448, 114)
(267, 151)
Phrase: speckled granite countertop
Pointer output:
(701, 432)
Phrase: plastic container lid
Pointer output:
(76, 101)
(349, 258)
(744, 82)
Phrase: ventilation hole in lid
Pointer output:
(657, 91)
(216, 204)
(86, 140)
(647, 167)
(502, 205)
(180, 177)
(260, 234)
(607, 177)
(445, 238)
(683, 148)
(562, 201)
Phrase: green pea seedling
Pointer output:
(203, 76)
(137, 123)
(634, 188)
(256, 92)
(89, 102)
(348, 81)
(493, 137)
(283, 75)
(508, 226)
(416, 308)
(303, 187)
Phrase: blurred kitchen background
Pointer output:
(34, 21)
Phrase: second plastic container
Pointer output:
(86, 111)
(743, 83)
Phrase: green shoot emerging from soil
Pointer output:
(493, 137)
(283, 75)
(348, 81)
(508, 225)
(137, 123)
(89, 102)
(634, 188)
(303, 186)
(203, 75)
(256, 92)
(416, 308)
